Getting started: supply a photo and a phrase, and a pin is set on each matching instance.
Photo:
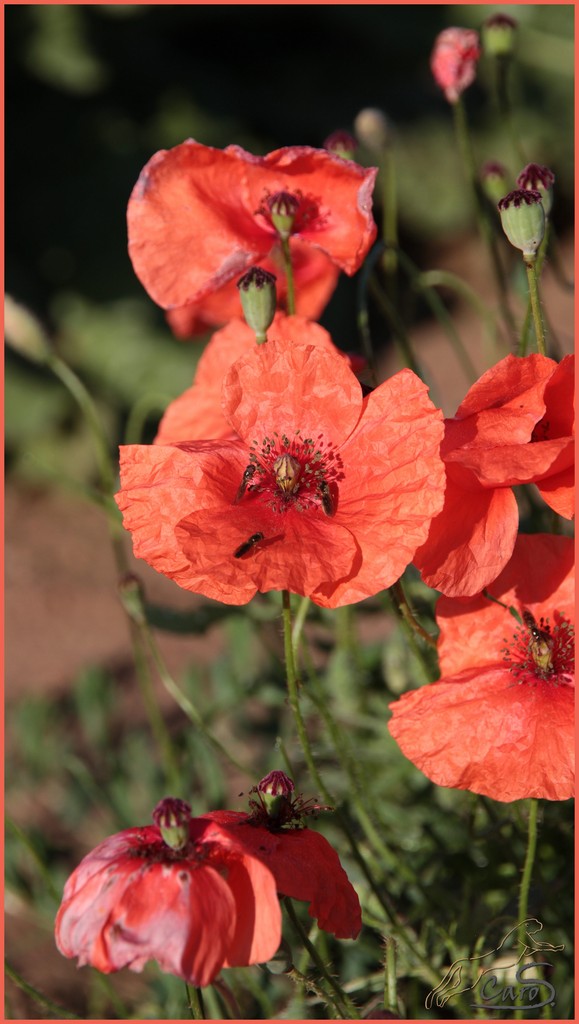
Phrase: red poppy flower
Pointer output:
(326, 493)
(453, 61)
(500, 720)
(199, 217)
(197, 415)
(515, 426)
(303, 863)
(194, 905)
(315, 278)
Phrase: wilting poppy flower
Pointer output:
(196, 415)
(325, 492)
(315, 278)
(453, 61)
(304, 864)
(199, 217)
(168, 892)
(515, 426)
(500, 720)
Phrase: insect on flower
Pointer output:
(248, 474)
(540, 644)
(326, 496)
(248, 545)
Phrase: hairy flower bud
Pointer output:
(498, 35)
(523, 219)
(373, 129)
(533, 176)
(258, 300)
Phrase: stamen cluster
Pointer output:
(296, 471)
(541, 653)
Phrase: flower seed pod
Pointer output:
(494, 180)
(258, 299)
(498, 35)
(533, 176)
(341, 143)
(523, 219)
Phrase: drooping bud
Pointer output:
(283, 207)
(287, 471)
(533, 176)
(172, 817)
(498, 35)
(341, 143)
(373, 129)
(494, 180)
(523, 219)
(453, 61)
(258, 300)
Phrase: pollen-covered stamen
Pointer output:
(541, 652)
(295, 473)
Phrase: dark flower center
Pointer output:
(299, 473)
(539, 652)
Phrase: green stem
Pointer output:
(389, 222)
(446, 279)
(401, 339)
(527, 873)
(390, 996)
(195, 1002)
(340, 1001)
(530, 264)
(484, 225)
(27, 842)
(289, 273)
(37, 996)
(406, 613)
(156, 720)
(502, 65)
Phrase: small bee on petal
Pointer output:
(248, 475)
(540, 644)
(326, 496)
(248, 545)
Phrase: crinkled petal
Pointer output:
(507, 465)
(558, 492)
(540, 577)
(342, 190)
(470, 541)
(191, 224)
(482, 731)
(291, 389)
(304, 866)
(197, 413)
(508, 400)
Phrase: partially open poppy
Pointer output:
(199, 217)
(515, 426)
(169, 892)
(325, 493)
(500, 721)
(454, 59)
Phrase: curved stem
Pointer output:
(195, 1002)
(37, 996)
(340, 1001)
(406, 613)
(529, 859)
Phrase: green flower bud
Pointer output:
(341, 143)
(523, 219)
(494, 180)
(24, 333)
(373, 129)
(258, 300)
(533, 176)
(498, 35)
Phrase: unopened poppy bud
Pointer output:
(453, 61)
(172, 817)
(533, 176)
(498, 35)
(523, 219)
(133, 598)
(494, 180)
(373, 129)
(258, 300)
(286, 470)
(341, 143)
(283, 207)
(24, 333)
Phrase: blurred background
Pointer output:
(92, 92)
